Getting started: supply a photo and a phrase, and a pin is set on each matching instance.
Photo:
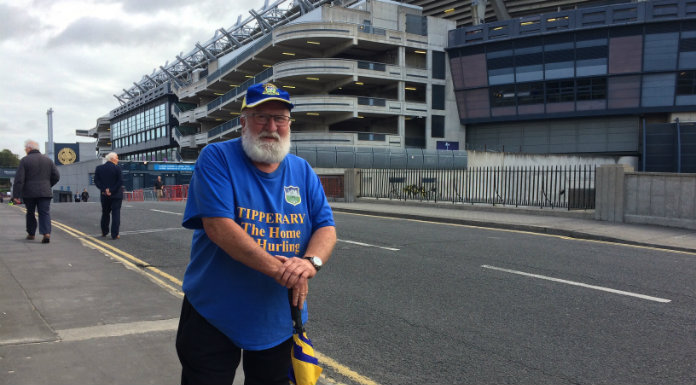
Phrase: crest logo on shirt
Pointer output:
(292, 195)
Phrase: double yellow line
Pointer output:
(167, 281)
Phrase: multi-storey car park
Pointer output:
(430, 75)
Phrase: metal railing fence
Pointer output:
(570, 187)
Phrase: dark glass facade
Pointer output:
(617, 60)
(144, 133)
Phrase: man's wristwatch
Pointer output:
(315, 261)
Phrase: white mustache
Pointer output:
(273, 135)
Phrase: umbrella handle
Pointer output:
(296, 314)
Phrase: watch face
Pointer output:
(316, 262)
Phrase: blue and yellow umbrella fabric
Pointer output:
(305, 368)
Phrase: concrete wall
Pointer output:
(665, 199)
(75, 177)
(511, 159)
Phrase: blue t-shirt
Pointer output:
(280, 210)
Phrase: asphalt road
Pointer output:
(408, 302)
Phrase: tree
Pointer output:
(8, 159)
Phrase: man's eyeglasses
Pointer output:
(261, 118)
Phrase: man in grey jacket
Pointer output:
(35, 176)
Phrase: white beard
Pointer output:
(265, 152)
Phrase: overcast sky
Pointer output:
(73, 56)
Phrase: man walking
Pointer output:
(158, 187)
(262, 227)
(109, 180)
(35, 176)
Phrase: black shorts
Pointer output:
(208, 357)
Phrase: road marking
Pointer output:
(152, 230)
(344, 370)
(615, 243)
(608, 290)
(368, 245)
(117, 330)
(128, 260)
(166, 212)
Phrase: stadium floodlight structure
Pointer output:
(258, 24)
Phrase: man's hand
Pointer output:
(16, 201)
(293, 275)
(299, 295)
(293, 271)
(107, 192)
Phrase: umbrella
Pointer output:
(305, 368)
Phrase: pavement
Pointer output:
(71, 312)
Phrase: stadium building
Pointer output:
(540, 77)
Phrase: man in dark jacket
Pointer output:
(35, 176)
(109, 179)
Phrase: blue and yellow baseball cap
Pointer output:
(264, 92)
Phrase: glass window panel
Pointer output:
(660, 51)
(503, 96)
(501, 76)
(687, 44)
(591, 43)
(527, 50)
(658, 90)
(530, 59)
(559, 70)
(499, 54)
(530, 93)
(567, 46)
(529, 73)
(687, 60)
(559, 56)
(686, 100)
(560, 91)
(502, 62)
(438, 126)
(591, 89)
(686, 83)
(591, 67)
(591, 53)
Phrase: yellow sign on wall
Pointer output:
(67, 153)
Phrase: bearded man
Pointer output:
(262, 226)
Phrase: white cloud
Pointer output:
(16, 22)
(74, 55)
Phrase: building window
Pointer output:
(437, 126)
(529, 64)
(687, 50)
(592, 88)
(686, 88)
(530, 93)
(438, 100)
(686, 83)
(658, 90)
(417, 24)
(503, 96)
(560, 91)
(438, 65)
